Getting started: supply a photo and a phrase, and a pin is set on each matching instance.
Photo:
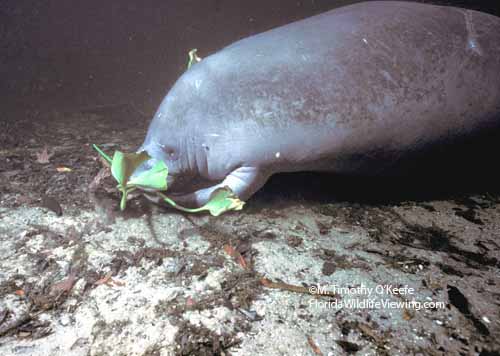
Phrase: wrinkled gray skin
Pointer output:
(351, 91)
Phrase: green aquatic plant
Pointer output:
(154, 181)
(221, 200)
(193, 58)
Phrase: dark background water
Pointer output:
(70, 55)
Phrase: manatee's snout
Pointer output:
(146, 166)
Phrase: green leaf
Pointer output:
(222, 200)
(124, 165)
(155, 178)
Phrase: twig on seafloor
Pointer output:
(22, 319)
(297, 289)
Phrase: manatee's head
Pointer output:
(167, 146)
(172, 136)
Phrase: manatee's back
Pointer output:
(374, 75)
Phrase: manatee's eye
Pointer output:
(171, 153)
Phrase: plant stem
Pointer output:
(101, 152)
(177, 206)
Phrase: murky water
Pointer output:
(69, 56)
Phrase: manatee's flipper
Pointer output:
(243, 181)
